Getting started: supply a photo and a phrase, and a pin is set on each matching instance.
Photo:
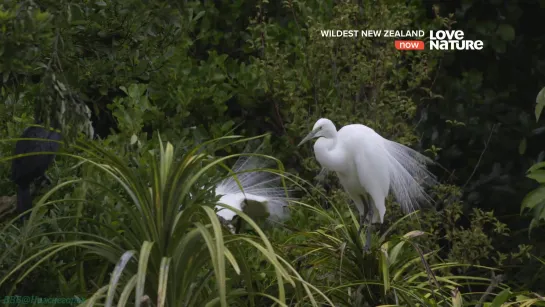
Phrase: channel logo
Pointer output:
(409, 45)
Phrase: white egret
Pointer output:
(368, 164)
(262, 195)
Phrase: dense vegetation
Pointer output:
(150, 93)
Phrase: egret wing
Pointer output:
(370, 159)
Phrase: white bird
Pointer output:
(368, 164)
(262, 195)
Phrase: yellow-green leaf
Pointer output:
(456, 298)
(412, 234)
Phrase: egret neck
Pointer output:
(329, 155)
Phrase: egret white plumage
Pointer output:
(369, 165)
(262, 195)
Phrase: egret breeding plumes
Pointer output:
(262, 194)
(369, 165)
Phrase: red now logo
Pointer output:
(409, 45)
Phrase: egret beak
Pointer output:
(309, 136)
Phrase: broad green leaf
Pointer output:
(199, 15)
(538, 176)
(506, 32)
(534, 198)
(540, 103)
(163, 281)
(385, 267)
(145, 252)
(134, 139)
(124, 89)
(127, 290)
(116, 275)
(536, 166)
(134, 92)
(501, 298)
(522, 146)
(396, 250)
(522, 297)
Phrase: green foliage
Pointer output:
(492, 93)
(397, 271)
(157, 247)
(184, 250)
(535, 200)
(197, 70)
(540, 101)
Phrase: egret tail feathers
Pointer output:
(409, 176)
(257, 183)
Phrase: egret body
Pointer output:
(369, 166)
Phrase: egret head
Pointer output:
(322, 128)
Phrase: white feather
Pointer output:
(408, 175)
(367, 163)
(261, 190)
